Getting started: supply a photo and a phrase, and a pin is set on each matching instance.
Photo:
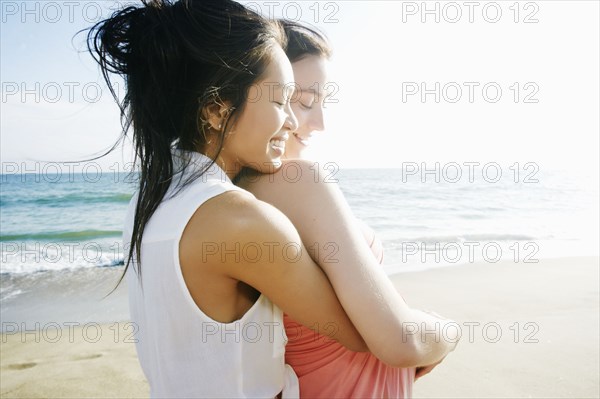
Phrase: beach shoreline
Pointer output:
(528, 330)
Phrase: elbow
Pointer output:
(406, 354)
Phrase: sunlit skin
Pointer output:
(310, 74)
(308, 103)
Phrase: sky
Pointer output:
(416, 83)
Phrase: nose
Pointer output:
(316, 121)
(291, 121)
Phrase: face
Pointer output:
(260, 135)
(310, 74)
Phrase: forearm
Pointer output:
(431, 329)
(368, 296)
(395, 333)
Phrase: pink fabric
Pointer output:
(326, 369)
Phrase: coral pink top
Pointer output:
(326, 369)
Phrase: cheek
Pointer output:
(301, 115)
(258, 124)
(249, 123)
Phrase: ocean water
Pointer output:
(55, 222)
(70, 223)
(521, 215)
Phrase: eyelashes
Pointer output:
(307, 101)
(308, 106)
(281, 105)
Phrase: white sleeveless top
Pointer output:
(183, 352)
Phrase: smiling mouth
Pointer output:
(277, 144)
(304, 142)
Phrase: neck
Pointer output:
(227, 163)
(232, 169)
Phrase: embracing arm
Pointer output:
(264, 250)
(393, 332)
(374, 242)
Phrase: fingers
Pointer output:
(421, 371)
(424, 370)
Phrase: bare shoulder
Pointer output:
(295, 179)
(223, 210)
(234, 218)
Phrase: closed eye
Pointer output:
(282, 104)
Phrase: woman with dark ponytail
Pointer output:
(209, 267)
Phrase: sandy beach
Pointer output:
(556, 356)
(529, 330)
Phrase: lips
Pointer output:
(304, 141)
(278, 143)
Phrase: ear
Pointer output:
(215, 114)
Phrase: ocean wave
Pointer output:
(499, 237)
(15, 266)
(7, 294)
(62, 235)
(67, 200)
(430, 240)
(112, 263)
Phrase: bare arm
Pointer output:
(393, 332)
(372, 239)
(279, 265)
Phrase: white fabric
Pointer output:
(183, 352)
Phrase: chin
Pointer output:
(270, 166)
(292, 155)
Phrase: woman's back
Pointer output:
(184, 352)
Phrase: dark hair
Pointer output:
(177, 58)
(303, 41)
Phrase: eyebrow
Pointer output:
(317, 92)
